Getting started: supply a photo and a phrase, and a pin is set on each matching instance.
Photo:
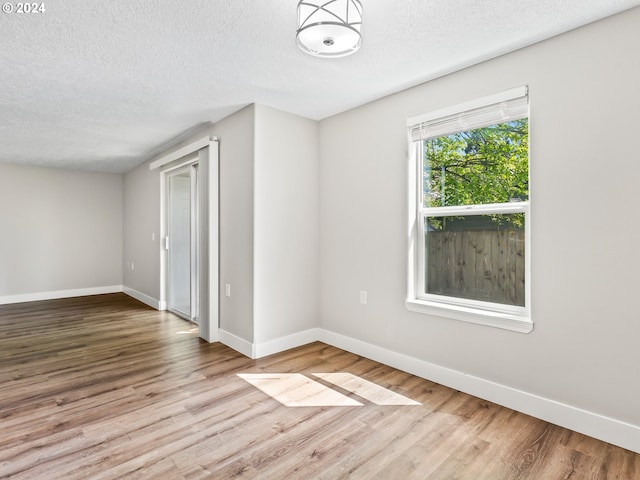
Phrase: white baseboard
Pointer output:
(592, 424)
(263, 349)
(286, 343)
(79, 292)
(238, 344)
(144, 298)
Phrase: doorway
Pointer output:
(192, 291)
(182, 242)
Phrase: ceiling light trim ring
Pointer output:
(337, 24)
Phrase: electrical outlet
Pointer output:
(132, 266)
(227, 290)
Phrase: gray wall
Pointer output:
(287, 230)
(269, 229)
(60, 230)
(584, 175)
(236, 136)
(141, 224)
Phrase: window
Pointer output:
(469, 221)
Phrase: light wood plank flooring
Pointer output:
(104, 387)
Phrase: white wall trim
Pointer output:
(592, 424)
(281, 344)
(184, 151)
(264, 349)
(143, 297)
(238, 344)
(491, 318)
(79, 292)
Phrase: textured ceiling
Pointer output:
(102, 84)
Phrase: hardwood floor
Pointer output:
(104, 387)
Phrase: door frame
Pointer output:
(206, 150)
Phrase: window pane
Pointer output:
(486, 165)
(477, 257)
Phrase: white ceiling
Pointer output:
(103, 84)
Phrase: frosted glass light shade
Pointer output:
(329, 28)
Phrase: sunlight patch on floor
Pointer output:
(191, 331)
(297, 390)
(366, 389)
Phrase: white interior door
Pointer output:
(182, 242)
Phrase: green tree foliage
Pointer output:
(487, 165)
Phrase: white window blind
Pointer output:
(499, 108)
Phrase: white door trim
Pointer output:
(207, 157)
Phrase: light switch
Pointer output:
(363, 297)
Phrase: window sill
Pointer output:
(516, 323)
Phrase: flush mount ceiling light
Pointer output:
(329, 28)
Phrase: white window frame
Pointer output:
(510, 317)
